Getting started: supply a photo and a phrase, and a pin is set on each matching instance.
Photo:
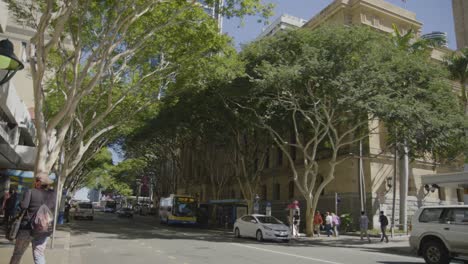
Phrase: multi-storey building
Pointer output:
(460, 16)
(277, 185)
(439, 37)
(17, 131)
(284, 22)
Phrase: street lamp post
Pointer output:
(9, 63)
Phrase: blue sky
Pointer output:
(436, 15)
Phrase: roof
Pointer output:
(453, 179)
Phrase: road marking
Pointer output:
(286, 254)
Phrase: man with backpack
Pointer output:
(383, 226)
(36, 225)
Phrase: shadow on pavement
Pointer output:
(107, 226)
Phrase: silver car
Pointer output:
(440, 233)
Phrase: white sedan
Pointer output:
(261, 227)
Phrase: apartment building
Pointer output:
(283, 22)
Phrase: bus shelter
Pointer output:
(222, 213)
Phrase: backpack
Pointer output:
(384, 220)
(42, 222)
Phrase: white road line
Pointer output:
(286, 254)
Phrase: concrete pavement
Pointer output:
(58, 255)
(109, 239)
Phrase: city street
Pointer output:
(109, 239)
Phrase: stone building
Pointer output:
(277, 186)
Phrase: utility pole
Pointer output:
(404, 178)
(395, 168)
(362, 188)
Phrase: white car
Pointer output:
(261, 227)
(440, 233)
(83, 210)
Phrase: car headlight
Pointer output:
(267, 227)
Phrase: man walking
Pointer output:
(32, 202)
(383, 226)
(328, 224)
(10, 206)
(364, 225)
(318, 222)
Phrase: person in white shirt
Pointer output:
(364, 225)
(328, 224)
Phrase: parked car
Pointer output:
(440, 233)
(83, 210)
(125, 212)
(261, 227)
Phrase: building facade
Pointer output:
(460, 17)
(17, 130)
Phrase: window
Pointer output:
(458, 216)
(233, 194)
(292, 149)
(267, 159)
(24, 52)
(280, 157)
(430, 215)
(264, 192)
(291, 190)
(276, 191)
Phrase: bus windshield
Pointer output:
(185, 206)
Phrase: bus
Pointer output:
(178, 209)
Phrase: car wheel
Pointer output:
(434, 252)
(286, 241)
(259, 236)
(91, 218)
(237, 232)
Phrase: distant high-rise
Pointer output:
(214, 11)
(439, 37)
(460, 17)
(283, 22)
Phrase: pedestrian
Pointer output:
(318, 222)
(328, 224)
(336, 223)
(364, 225)
(10, 207)
(383, 226)
(32, 202)
(66, 212)
(296, 221)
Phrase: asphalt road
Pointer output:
(109, 239)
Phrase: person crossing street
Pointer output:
(383, 226)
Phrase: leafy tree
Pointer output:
(320, 92)
(113, 54)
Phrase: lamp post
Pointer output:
(9, 63)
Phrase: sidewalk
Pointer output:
(58, 255)
(398, 245)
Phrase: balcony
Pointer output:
(15, 114)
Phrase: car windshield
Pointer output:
(185, 206)
(268, 220)
(85, 206)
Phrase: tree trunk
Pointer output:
(309, 218)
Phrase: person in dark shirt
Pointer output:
(10, 206)
(383, 226)
(32, 200)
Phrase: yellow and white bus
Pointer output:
(178, 209)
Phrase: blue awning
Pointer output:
(23, 174)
